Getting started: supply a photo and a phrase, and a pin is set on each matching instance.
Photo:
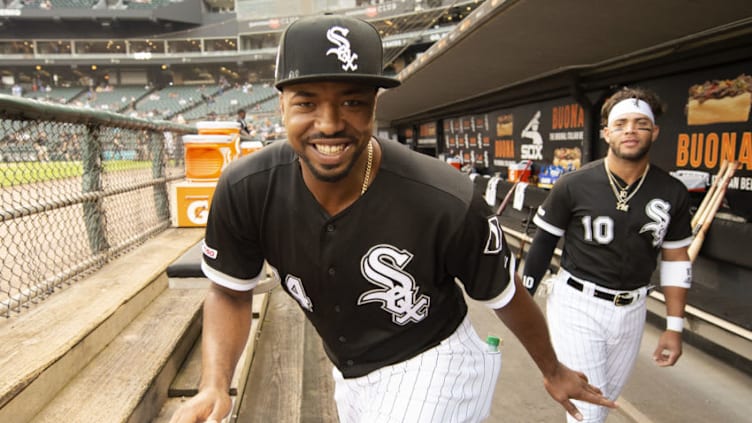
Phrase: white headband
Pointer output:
(630, 105)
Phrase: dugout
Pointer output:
(525, 80)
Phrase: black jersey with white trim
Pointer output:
(613, 248)
(377, 280)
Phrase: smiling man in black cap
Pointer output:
(370, 238)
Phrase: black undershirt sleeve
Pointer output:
(537, 259)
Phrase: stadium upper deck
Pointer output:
(189, 41)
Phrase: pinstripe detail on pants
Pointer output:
(450, 383)
(596, 337)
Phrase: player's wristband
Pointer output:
(674, 323)
(676, 273)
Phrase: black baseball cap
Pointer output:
(331, 47)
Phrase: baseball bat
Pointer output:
(712, 208)
(701, 209)
(504, 202)
(708, 209)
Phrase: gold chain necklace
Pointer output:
(622, 194)
(367, 176)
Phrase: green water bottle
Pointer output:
(492, 343)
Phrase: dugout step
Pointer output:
(185, 273)
(48, 346)
(186, 382)
(127, 381)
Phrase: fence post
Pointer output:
(94, 217)
(157, 151)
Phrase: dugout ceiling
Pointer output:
(529, 48)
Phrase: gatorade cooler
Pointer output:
(207, 155)
(191, 202)
(248, 147)
(517, 170)
(218, 127)
(222, 127)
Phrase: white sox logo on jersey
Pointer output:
(495, 242)
(657, 210)
(336, 35)
(384, 266)
(295, 287)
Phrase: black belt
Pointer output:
(620, 299)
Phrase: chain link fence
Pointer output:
(77, 188)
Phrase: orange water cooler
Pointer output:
(218, 127)
(207, 155)
(223, 127)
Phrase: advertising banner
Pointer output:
(707, 121)
(469, 138)
(547, 133)
(427, 134)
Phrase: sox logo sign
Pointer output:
(384, 266)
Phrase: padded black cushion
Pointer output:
(728, 241)
(188, 265)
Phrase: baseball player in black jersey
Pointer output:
(370, 238)
(616, 215)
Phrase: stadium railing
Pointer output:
(78, 187)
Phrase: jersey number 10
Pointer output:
(600, 229)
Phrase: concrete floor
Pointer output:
(700, 388)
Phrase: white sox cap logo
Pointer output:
(337, 35)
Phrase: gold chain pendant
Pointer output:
(621, 201)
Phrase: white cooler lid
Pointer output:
(200, 138)
(217, 124)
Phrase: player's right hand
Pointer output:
(566, 384)
(209, 405)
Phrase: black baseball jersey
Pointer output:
(613, 248)
(378, 279)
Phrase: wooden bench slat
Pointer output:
(274, 388)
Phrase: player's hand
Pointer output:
(669, 349)
(566, 384)
(209, 405)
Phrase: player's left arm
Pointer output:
(524, 318)
(676, 278)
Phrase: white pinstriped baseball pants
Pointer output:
(451, 383)
(596, 337)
